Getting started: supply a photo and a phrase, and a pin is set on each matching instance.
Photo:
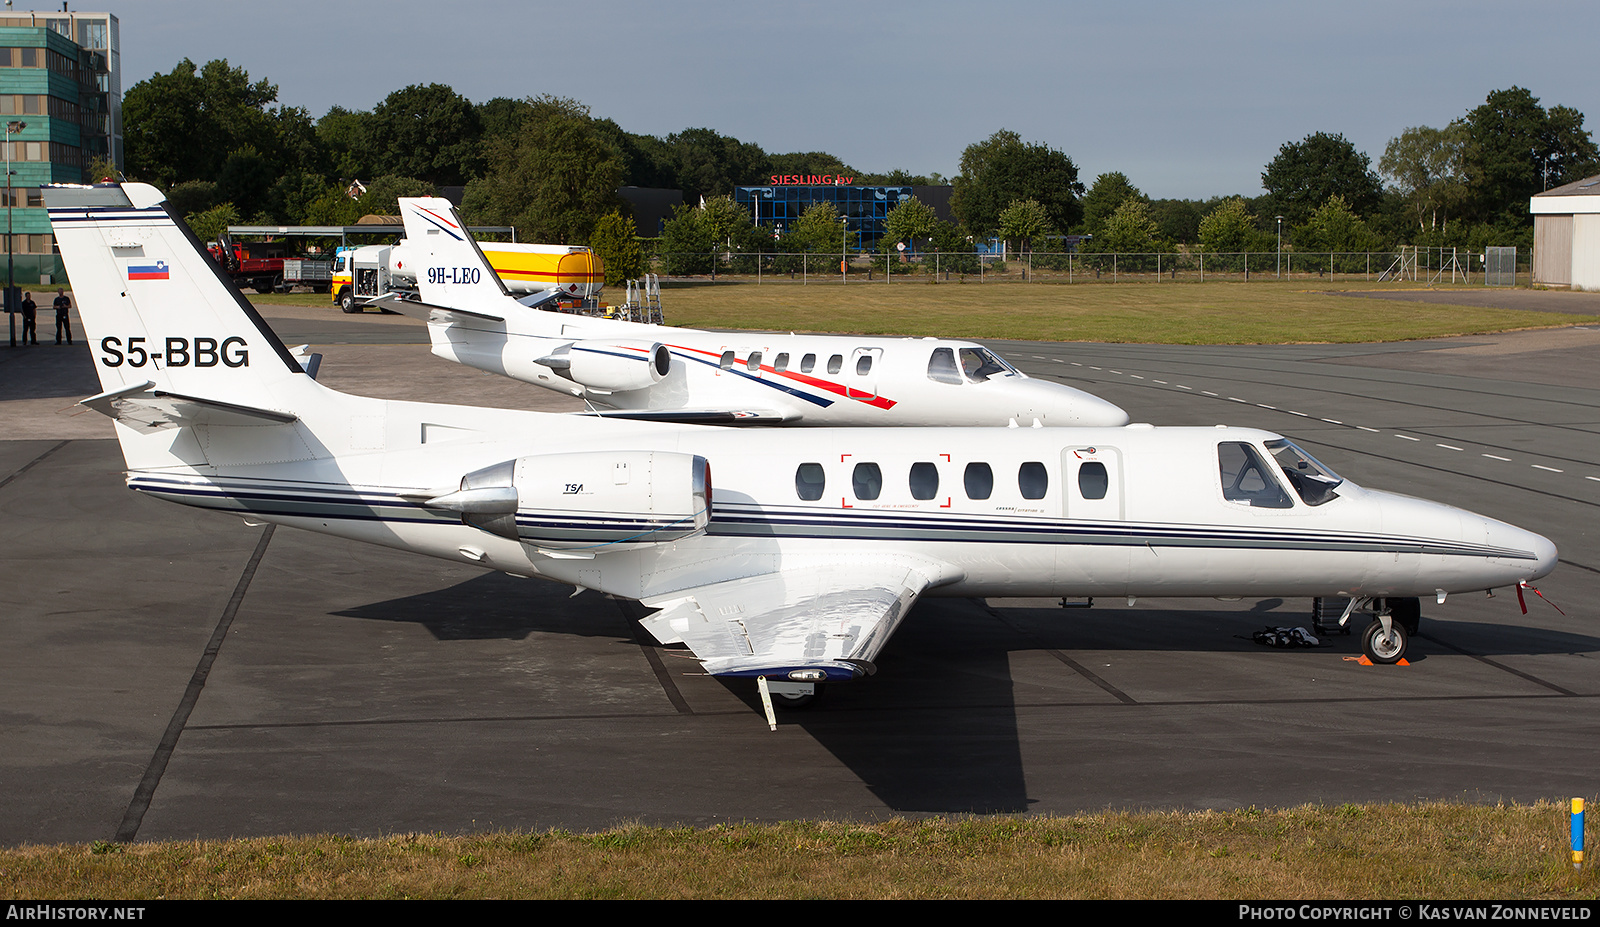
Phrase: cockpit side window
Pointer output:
(942, 367)
(1247, 478)
(1312, 481)
(980, 364)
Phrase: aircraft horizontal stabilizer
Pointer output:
(145, 410)
(426, 311)
(820, 622)
(698, 416)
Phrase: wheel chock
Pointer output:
(1365, 662)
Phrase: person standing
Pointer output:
(30, 320)
(63, 323)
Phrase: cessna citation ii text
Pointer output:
(791, 558)
(684, 375)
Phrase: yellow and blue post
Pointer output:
(1577, 833)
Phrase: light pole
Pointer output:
(1280, 246)
(844, 247)
(12, 126)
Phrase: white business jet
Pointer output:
(813, 545)
(631, 370)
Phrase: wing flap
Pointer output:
(146, 410)
(831, 619)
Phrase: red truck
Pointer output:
(266, 266)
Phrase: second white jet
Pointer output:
(629, 370)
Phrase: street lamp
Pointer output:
(1280, 246)
(844, 248)
(12, 126)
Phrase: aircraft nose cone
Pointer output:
(1545, 550)
(1064, 405)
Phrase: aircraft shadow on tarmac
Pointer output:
(496, 606)
(937, 729)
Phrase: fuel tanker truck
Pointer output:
(373, 270)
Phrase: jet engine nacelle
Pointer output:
(589, 500)
(611, 367)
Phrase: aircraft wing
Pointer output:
(146, 410)
(427, 311)
(697, 416)
(831, 616)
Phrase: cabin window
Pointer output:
(754, 363)
(1247, 478)
(1093, 480)
(867, 481)
(727, 360)
(836, 363)
(808, 363)
(781, 362)
(1313, 482)
(864, 365)
(942, 367)
(1033, 480)
(809, 482)
(979, 480)
(924, 481)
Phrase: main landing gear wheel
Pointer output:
(796, 702)
(1385, 647)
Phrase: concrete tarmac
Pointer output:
(169, 673)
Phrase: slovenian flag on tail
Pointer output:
(156, 271)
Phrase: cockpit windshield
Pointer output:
(979, 364)
(1313, 481)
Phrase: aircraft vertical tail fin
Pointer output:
(173, 341)
(451, 269)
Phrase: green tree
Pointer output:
(705, 164)
(1003, 169)
(383, 194)
(1516, 148)
(1335, 227)
(1105, 197)
(1427, 166)
(615, 242)
(1230, 228)
(184, 125)
(343, 135)
(1130, 230)
(688, 241)
(1023, 221)
(910, 218)
(428, 132)
(207, 225)
(818, 230)
(555, 183)
(1306, 173)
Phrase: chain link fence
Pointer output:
(1418, 265)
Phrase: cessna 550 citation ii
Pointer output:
(739, 378)
(813, 544)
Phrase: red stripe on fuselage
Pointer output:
(826, 386)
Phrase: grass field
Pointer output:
(1152, 313)
(1183, 313)
(1436, 852)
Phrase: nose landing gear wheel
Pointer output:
(1386, 648)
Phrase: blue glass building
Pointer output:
(61, 104)
(863, 207)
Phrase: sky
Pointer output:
(1189, 100)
